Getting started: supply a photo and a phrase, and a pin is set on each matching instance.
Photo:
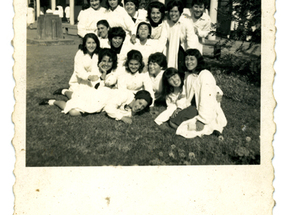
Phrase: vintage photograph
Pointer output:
(143, 83)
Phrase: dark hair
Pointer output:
(166, 87)
(111, 54)
(161, 7)
(116, 32)
(200, 60)
(108, 5)
(175, 3)
(143, 94)
(200, 2)
(88, 1)
(134, 55)
(103, 22)
(149, 29)
(158, 58)
(136, 2)
(85, 6)
(83, 45)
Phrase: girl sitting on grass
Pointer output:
(103, 71)
(132, 78)
(172, 82)
(201, 114)
(118, 104)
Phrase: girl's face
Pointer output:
(95, 4)
(102, 31)
(117, 41)
(198, 10)
(174, 14)
(174, 80)
(134, 66)
(90, 45)
(143, 32)
(139, 105)
(113, 4)
(107, 63)
(130, 7)
(155, 15)
(154, 68)
(191, 62)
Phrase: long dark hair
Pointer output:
(166, 87)
(200, 61)
(161, 7)
(111, 54)
(134, 55)
(83, 45)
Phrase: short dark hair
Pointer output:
(116, 32)
(175, 3)
(108, 5)
(143, 94)
(200, 2)
(161, 7)
(83, 45)
(200, 60)
(158, 58)
(136, 2)
(149, 29)
(134, 55)
(103, 22)
(111, 54)
(166, 87)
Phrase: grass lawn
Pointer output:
(55, 139)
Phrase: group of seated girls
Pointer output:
(126, 78)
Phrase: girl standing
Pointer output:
(201, 114)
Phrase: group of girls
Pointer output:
(124, 77)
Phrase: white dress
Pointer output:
(157, 84)
(111, 101)
(87, 20)
(120, 18)
(135, 82)
(180, 33)
(83, 67)
(30, 15)
(210, 112)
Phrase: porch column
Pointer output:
(213, 15)
(38, 8)
(53, 5)
(71, 5)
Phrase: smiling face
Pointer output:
(174, 14)
(113, 4)
(107, 63)
(95, 4)
(90, 45)
(102, 31)
(175, 80)
(117, 41)
(191, 62)
(155, 15)
(154, 68)
(130, 7)
(134, 66)
(198, 10)
(143, 32)
(139, 105)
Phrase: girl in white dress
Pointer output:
(117, 16)
(201, 114)
(172, 83)
(132, 8)
(132, 78)
(88, 18)
(102, 31)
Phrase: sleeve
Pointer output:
(82, 19)
(112, 107)
(207, 98)
(148, 86)
(129, 23)
(163, 37)
(191, 37)
(204, 30)
(79, 67)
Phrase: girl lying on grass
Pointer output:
(201, 113)
(118, 104)
(104, 72)
(132, 78)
